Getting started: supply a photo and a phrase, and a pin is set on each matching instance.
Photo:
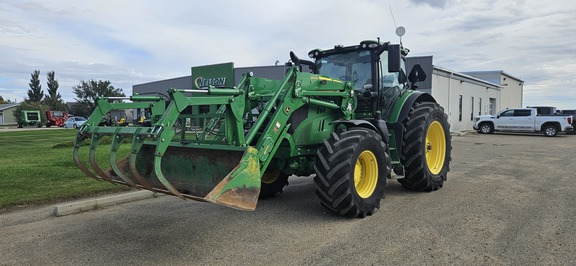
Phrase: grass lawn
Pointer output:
(36, 167)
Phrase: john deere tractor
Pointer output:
(349, 117)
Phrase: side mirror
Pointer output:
(498, 116)
(394, 58)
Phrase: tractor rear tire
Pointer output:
(351, 172)
(426, 147)
(273, 181)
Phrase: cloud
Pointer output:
(131, 42)
(432, 3)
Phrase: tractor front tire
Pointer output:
(426, 147)
(351, 172)
(272, 182)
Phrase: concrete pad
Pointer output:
(90, 204)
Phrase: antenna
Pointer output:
(400, 31)
(392, 13)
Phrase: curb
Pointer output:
(86, 205)
(464, 133)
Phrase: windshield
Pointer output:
(354, 67)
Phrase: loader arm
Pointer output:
(226, 170)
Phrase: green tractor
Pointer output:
(350, 121)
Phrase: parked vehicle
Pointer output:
(56, 118)
(523, 120)
(545, 110)
(29, 118)
(571, 112)
(74, 122)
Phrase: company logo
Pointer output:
(201, 82)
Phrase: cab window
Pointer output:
(353, 67)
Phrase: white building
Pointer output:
(467, 94)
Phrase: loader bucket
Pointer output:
(230, 178)
(166, 157)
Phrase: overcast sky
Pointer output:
(137, 41)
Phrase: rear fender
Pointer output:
(555, 124)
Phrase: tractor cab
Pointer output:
(376, 70)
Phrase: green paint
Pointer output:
(219, 75)
(215, 144)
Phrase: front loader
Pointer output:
(350, 120)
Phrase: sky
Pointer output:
(138, 41)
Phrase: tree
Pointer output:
(2, 101)
(86, 93)
(53, 100)
(35, 93)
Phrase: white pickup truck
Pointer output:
(523, 120)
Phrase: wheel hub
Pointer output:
(435, 147)
(366, 174)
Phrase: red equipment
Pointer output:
(56, 118)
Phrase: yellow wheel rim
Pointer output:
(435, 147)
(366, 174)
(270, 175)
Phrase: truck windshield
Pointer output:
(353, 66)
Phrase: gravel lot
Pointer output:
(509, 200)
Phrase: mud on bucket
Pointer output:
(226, 177)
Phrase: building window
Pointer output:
(472, 109)
(460, 108)
(479, 106)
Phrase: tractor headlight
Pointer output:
(314, 53)
(369, 44)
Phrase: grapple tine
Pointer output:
(137, 142)
(162, 179)
(92, 156)
(116, 141)
(76, 156)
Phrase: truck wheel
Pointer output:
(351, 172)
(426, 147)
(550, 131)
(273, 181)
(486, 128)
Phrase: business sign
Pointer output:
(219, 75)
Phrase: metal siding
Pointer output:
(271, 72)
(162, 86)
